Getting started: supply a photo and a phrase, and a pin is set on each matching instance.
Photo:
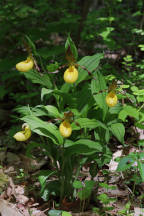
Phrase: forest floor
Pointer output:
(19, 188)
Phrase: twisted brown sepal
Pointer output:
(68, 116)
(27, 47)
(113, 86)
(70, 57)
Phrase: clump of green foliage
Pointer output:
(109, 35)
(83, 105)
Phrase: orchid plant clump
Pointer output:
(70, 76)
(77, 127)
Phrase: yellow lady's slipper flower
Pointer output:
(71, 74)
(23, 135)
(65, 129)
(26, 65)
(111, 99)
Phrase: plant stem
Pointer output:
(141, 107)
(62, 178)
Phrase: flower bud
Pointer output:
(111, 99)
(65, 129)
(71, 74)
(26, 65)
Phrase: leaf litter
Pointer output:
(15, 201)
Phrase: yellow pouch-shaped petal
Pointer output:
(20, 136)
(26, 65)
(71, 75)
(65, 129)
(111, 99)
(23, 135)
(27, 133)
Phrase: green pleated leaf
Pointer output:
(91, 63)
(90, 144)
(45, 91)
(43, 128)
(71, 101)
(85, 123)
(82, 146)
(98, 87)
(107, 136)
(116, 109)
(78, 149)
(83, 98)
(23, 110)
(118, 130)
(26, 110)
(36, 77)
(128, 111)
(52, 111)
